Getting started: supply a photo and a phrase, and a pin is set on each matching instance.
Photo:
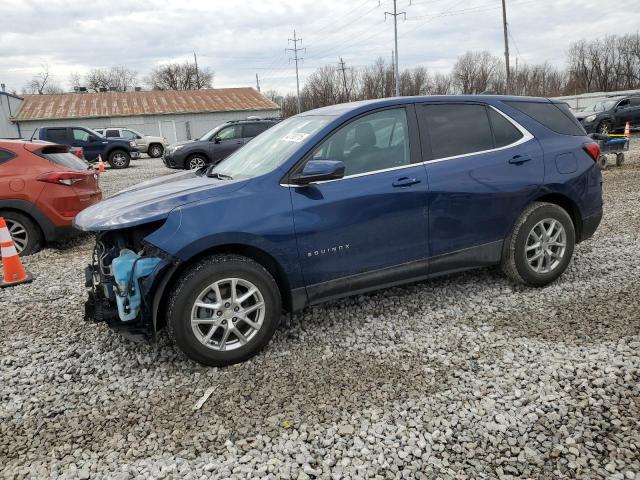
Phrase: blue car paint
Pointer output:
(455, 204)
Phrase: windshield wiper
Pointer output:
(219, 176)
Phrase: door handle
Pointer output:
(405, 182)
(519, 159)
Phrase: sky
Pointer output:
(237, 39)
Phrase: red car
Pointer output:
(42, 188)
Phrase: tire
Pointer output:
(602, 162)
(26, 234)
(195, 161)
(619, 159)
(119, 159)
(518, 254)
(155, 150)
(196, 285)
(605, 127)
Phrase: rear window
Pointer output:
(555, 116)
(65, 159)
(57, 135)
(5, 156)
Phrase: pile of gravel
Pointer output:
(466, 376)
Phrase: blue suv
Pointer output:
(338, 201)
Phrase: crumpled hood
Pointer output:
(151, 201)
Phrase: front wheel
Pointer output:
(540, 246)
(224, 310)
(119, 159)
(604, 127)
(196, 161)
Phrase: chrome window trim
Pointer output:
(526, 136)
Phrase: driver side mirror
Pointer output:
(216, 139)
(318, 171)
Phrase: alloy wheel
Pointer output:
(546, 245)
(156, 151)
(196, 162)
(119, 159)
(227, 314)
(18, 233)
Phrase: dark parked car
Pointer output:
(339, 201)
(216, 144)
(42, 187)
(611, 115)
(118, 152)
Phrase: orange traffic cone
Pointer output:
(14, 272)
(100, 164)
(627, 130)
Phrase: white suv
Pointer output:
(153, 146)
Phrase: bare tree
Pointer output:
(42, 84)
(115, 78)
(180, 76)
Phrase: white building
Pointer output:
(175, 114)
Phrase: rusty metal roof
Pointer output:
(155, 102)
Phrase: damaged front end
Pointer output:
(123, 281)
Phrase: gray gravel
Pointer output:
(466, 376)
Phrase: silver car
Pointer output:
(153, 146)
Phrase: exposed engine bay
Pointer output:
(122, 278)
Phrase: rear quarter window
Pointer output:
(5, 155)
(554, 116)
(65, 159)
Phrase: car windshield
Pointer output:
(270, 149)
(209, 135)
(601, 106)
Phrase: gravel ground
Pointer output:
(466, 376)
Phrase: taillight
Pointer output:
(63, 178)
(79, 153)
(593, 149)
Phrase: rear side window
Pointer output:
(65, 159)
(254, 129)
(112, 133)
(57, 135)
(555, 116)
(457, 129)
(504, 132)
(5, 156)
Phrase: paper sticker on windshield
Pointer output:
(296, 137)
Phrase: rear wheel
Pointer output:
(602, 162)
(26, 235)
(224, 310)
(119, 159)
(155, 150)
(540, 246)
(619, 159)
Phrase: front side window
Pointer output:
(376, 141)
(457, 129)
(229, 133)
(129, 135)
(81, 135)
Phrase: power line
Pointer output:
(295, 51)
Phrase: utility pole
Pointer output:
(295, 51)
(395, 15)
(344, 78)
(195, 59)
(257, 83)
(506, 43)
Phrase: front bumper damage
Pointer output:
(123, 283)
